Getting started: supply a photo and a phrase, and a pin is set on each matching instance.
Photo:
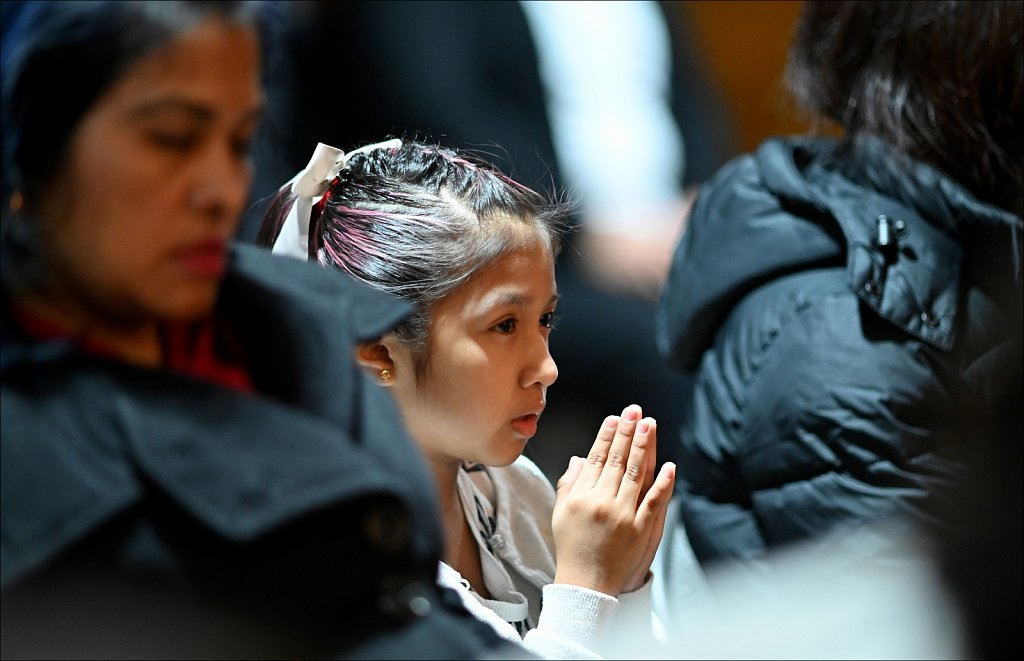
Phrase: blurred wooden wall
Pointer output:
(743, 45)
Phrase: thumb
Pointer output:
(568, 478)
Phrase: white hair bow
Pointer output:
(309, 186)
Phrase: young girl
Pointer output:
(474, 252)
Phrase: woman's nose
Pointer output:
(223, 184)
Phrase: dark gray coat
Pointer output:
(147, 513)
(841, 362)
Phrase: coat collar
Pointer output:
(91, 432)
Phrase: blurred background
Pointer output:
(733, 54)
(629, 106)
(742, 46)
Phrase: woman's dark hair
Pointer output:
(417, 221)
(940, 81)
(57, 59)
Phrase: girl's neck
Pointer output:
(461, 551)
(446, 476)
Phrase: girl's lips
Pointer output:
(209, 258)
(526, 425)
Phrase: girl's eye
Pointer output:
(548, 320)
(507, 326)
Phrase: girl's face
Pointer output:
(489, 368)
(138, 220)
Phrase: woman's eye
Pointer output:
(173, 141)
(548, 320)
(507, 326)
(242, 147)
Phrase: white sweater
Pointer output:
(509, 511)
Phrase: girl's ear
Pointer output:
(379, 357)
(375, 356)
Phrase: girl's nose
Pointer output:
(544, 372)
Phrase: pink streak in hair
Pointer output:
(398, 217)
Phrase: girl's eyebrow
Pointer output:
(512, 298)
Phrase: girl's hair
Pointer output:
(418, 220)
(940, 81)
(57, 59)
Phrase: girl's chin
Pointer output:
(507, 456)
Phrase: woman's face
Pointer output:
(489, 368)
(138, 220)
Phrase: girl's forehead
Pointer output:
(520, 278)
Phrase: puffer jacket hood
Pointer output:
(790, 206)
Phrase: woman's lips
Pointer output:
(209, 258)
(526, 425)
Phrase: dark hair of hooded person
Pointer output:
(57, 60)
(941, 82)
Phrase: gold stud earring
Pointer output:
(385, 375)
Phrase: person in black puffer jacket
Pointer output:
(848, 306)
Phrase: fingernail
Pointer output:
(644, 426)
(629, 414)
